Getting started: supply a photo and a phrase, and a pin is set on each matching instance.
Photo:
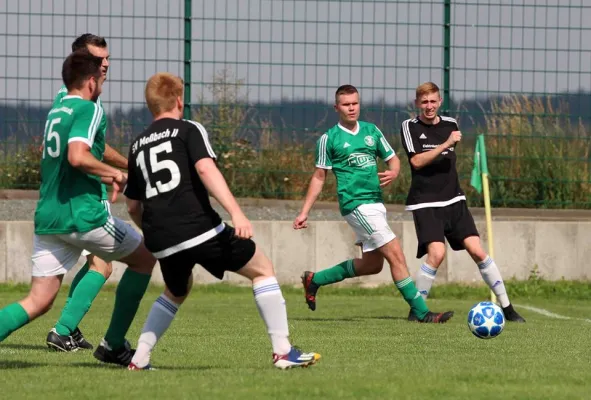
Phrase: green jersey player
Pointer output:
(351, 149)
(97, 46)
(70, 216)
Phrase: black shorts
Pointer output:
(435, 224)
(223, 252)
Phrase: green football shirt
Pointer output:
(69, 199)
(352, 156)
(100, 137)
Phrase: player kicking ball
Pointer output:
(350, 149)
(172, 172)
(437, 201)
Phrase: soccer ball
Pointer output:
(486, 320)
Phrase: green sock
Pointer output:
(335, 274)
(76, 281)
(412, 296)
(86, 290)
(12, 317)
(130, 291)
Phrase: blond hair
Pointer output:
(426, 88)
(161, 92)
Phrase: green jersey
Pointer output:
(102, 129)
(69, 199)
(352, 156)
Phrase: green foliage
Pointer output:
(537, 156)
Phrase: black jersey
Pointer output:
(437, 184)
(177, 213)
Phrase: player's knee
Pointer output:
(259, 266)
(141, 260)
(435, 256)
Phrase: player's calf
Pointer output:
(271, 305)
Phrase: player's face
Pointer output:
(102, 52)
(96, 87)
(429, 105)
(348, 107)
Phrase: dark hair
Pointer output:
(344, 89)
(80, 66)
(86, 39)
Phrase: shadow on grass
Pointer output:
(100, 365)
(24, 347)
(5, 364)
(346, 319)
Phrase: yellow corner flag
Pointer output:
(479, 181)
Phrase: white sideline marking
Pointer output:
(550, 313)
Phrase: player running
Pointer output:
(172, 173)
(350, 149)
(70, 216)
(64, 336)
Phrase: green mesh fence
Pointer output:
(261, 75)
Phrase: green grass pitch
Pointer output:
(217, 348)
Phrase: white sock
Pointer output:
(271, 305)
(425, 279)
(492, 276)
(161, 315)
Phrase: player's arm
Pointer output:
(203, 156)
(80, 141)
(215, 183)
(421, 160)
(114, 158)
(80, 157)
(314, 190)
(133, 192)
(323, 164)
(392, 173)
(412, 147)
(386, 153)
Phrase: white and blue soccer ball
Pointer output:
(486, 320)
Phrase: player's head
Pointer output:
(428, 100)
(347, 103)
(82, 72)
(164, 94)
(97, 45)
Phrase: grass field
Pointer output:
(218, 348)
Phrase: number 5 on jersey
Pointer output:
(51, 134)
(156, 166)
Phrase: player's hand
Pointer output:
(454, 138)
(242, 227)
(301, 221)
(387, 177)
(119, 183)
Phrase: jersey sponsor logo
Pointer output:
(369, 141)
(67, 110)
(361, 160)
(154, 137)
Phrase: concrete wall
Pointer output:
(558, 249)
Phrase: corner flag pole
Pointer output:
(489, 230)
(479, 181)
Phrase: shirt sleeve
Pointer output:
(385, 151)
(322, 153)
(410, 144)
(85, 123)
(197, 141)
(132, 189)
